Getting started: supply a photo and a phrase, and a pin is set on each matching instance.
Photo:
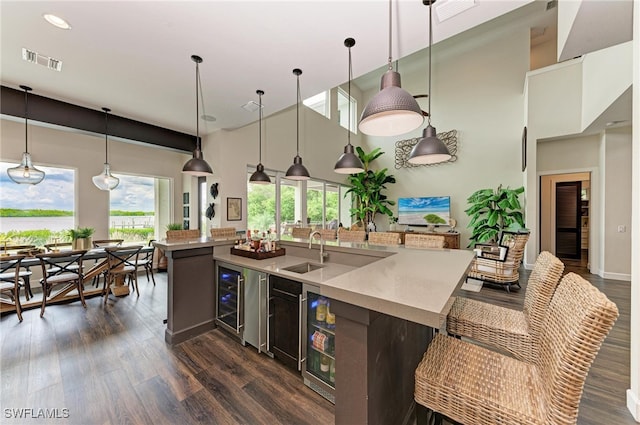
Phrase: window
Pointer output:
(37, 214)
(135, 206)
(261, 205)
(319, 103)
(343, 110)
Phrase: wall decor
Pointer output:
(234, 209)
(524, 149)
(214, 190)
(211, 212)
(404, 147)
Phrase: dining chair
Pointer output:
(301, 232)
(122, 263)
(351, 235)
(61, 268)
(53, 247)
(25, 273)
(145, 261)
(384, 238)
(102, 243)
(412, 240)
(471, 384)
(511, 330)
(10, 282)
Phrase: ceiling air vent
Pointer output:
(451, 8)
(37, 58)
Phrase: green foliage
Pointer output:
(367, 189)
(13, 212)
(34, 237)
(132, 235)
(434, 219)
(174, 226)
(80, 232)
(121, 213)
(493, 211)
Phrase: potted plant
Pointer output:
(367, 188)
(81, 237)
(174, 230)
(492, 211)
(393, 223)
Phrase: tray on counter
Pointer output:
(258, 255)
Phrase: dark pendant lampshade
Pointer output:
(429, 149)
(297, 171)
(197, 166)
(26, 172)
(393, 110)
(259, 176)
(349, 163)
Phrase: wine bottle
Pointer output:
(324, 364)
(332, 372)
(321, 310)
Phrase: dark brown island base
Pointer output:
(387, 302)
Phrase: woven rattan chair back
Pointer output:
(504, 272)
(223, 232)
(351, 235)
(328, 234)
(579, 318)
(541, 286)
(423, 241)
(301, 232)
(384, 238)
(183, 234)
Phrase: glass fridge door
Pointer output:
(227, 299)
(320, 339)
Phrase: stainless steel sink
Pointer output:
(303, 268)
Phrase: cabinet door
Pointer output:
(285, 331)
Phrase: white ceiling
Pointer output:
(134, 56)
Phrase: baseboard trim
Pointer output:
(617, 276)
(633, 404)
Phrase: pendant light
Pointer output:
(349, 163)
(106, 181)
(392, 111)
(197, 166)
(429, 149)
(259, 176)
(26, 172)
(297, 171)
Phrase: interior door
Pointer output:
(568, 208)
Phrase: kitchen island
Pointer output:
(387, 301)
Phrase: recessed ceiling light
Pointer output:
(57, 21)
(208, 118)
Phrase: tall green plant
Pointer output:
(491, 211)
(367, 189)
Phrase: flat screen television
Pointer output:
(424, 211)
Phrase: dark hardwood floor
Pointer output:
(110, 365)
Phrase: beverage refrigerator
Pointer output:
(318, 343)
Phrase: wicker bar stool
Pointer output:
(505, 328)
(502, 271)
(301, 232)
(384, 238)
(223, 232)
(473, 385)
(351, 235)
(423, 241)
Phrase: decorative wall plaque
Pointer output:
(403, 149)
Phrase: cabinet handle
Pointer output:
(261, 280)
(300, 320)
(240, 310)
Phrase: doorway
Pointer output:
(564, 217)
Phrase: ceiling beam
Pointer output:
(51, 111)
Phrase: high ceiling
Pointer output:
(134, 56)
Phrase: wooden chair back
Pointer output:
(60, 266)
(223, 232)
(122, 259)
(384, 238)
(101, 243)
(351, 235)
(58, 246)
(579, 318)
(10, 281)
(301, 232)
(423, 241)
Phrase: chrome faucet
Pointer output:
(322, 254)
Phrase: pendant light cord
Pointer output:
(430, 46)
(349, 102)
(106, 142)
(26, 120)
(197, 108)
(390, 28)
(298, 118)
(260, 128)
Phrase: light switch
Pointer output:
(622, 228)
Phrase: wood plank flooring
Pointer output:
(110, 365)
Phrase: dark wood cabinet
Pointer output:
(284, 320)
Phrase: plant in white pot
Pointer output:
(81, 237)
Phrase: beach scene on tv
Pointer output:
(424, 211)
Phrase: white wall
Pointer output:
(477, 91)
(85, 153)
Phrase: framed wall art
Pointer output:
(234, 209)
